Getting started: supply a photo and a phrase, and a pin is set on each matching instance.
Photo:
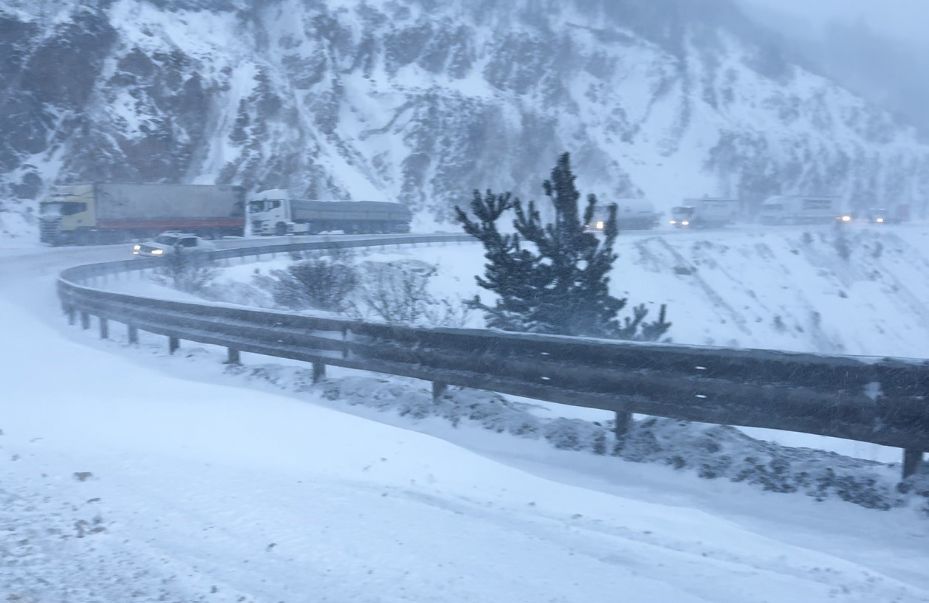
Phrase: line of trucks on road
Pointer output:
(113, 212)
(714, 212)
(109, 212)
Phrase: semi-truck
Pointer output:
(801, 209)
(631, 214)
(114, 212)
(275, 212)
(705, 212)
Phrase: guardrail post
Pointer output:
(104, 328)
(912, 459)
(319, 372)
(623, 423)
(438, 390)
(85, 320)
(233, 356)
(133, 334)
(173, 344)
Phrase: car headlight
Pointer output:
(136, 247)
(685, 223)
(158, 251)
(880, 220)
(846, 218)
(673, 222)
(599, 225)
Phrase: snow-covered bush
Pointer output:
(398, 292)
(324, 282)
(187, 272)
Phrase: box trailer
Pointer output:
(273, 212)
(113, 212)
(800, 209)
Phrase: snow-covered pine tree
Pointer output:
(562, 287)
(510, 269)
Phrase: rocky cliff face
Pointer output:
(422, 101)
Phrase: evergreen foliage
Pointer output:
(552, 277)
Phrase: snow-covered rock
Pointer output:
(422, 101)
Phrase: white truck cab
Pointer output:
(269, 213)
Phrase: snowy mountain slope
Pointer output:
(123, 474)
(422, 101)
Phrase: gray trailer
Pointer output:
(273, 213)
(112, 212)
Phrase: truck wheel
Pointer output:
(280, 229)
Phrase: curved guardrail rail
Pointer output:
(882, 401)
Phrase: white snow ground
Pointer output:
(132, 476)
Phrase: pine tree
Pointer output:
(559, 283)
(509, 270)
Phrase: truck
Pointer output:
(705, 212)
(802, 209)
(893, 215)
(275, 212)
(115, 212)
(631, 214)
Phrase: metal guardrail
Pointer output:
(882, 401)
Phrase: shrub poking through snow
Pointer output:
(185, 271)
(398, 292)
(324, 282)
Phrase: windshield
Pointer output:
(682, 212)
(166, 239)
(62, 208)
(260, 206)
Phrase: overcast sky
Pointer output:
(902, 19)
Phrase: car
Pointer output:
(168, 243)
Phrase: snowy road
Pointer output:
(123, 479)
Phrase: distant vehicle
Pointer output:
(273, 212)
(880, 215)
(110, 212)
(631, 214)
(798, 209)
(169, 243)
(707, 212)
